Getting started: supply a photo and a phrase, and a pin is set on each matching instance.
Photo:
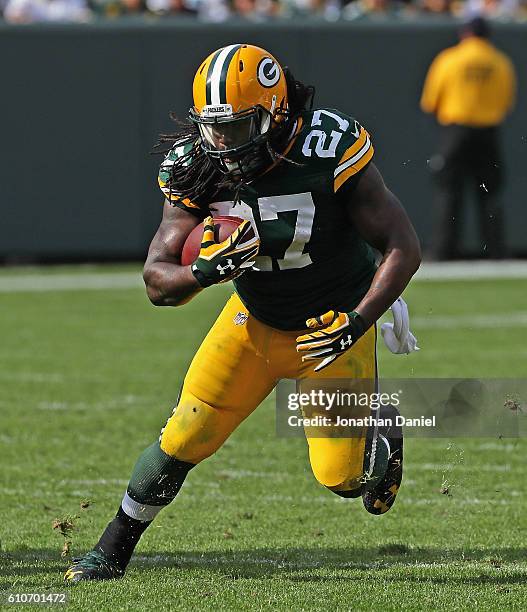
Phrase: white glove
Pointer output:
(397, 335)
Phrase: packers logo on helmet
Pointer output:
(268, 73)
(240, 96)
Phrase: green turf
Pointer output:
(89, 377)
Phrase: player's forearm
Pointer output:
(169, 284)
(397, 267)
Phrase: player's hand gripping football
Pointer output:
(219, 262)
(337, 332)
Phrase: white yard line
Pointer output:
(472, 270)
(95, 281)
(97, 481)
(458, 467)
(118, 403)
(35, 283)
(475, 321)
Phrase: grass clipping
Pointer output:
(66, 525)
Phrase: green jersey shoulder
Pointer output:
(332, 144)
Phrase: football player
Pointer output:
(308, 290)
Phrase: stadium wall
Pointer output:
(82, 105)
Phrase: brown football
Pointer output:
(223, 228)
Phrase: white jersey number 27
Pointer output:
(323, 149)
(269, 208)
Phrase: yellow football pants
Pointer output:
(238, 364)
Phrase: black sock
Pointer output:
(120, 538)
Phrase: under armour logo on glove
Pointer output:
(223, 261)
(344, 344)
(228, 266)
(338, 331)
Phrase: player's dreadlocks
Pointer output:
(194, 176)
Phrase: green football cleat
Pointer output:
(379, 498)
(93, 566)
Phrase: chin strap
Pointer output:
(275, 156)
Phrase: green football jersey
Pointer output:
(311, 257)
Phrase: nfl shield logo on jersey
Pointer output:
(240, 318)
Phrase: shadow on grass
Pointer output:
(307, 564)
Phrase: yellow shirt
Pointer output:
(470, 84)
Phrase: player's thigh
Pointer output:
(337, 452)
(227, 379)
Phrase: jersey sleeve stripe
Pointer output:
(353, 169)
(351, 161)
(172, 197)
(188, 203)
(197, 212)
(356, 146)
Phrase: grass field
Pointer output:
(88, 378)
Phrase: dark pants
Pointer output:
(468, 156)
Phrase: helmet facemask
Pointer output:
(236, 143)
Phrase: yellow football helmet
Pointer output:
(240, 96)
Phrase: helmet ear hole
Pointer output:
(241, 66)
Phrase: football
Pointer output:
(223, 228)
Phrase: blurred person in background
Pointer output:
(326, 9)
(244, 8)
(253, 10)
(177, 8)
(492, 9)
(436, 7)
(356, 8)
(180, 7)
(35, 11)
(378, 9)
(213, 10)
(118, 8)
(470, 89)
(130, 7)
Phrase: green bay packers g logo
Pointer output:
(268, 72)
